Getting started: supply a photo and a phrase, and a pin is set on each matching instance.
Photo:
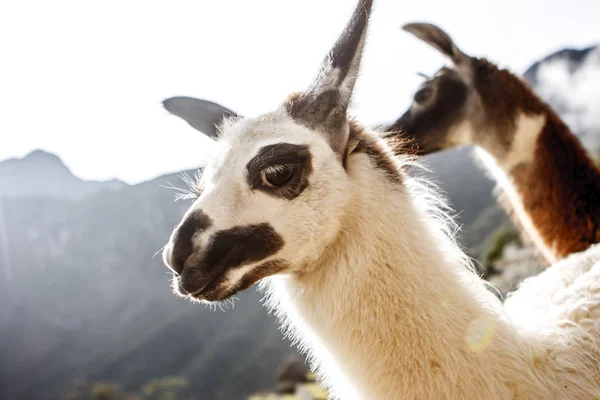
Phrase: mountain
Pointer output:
(569, 80)
(83, 298)
(574, 60)
(43, 174)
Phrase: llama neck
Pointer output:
(392, 311)
(550, 186)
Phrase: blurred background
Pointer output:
(86, 152)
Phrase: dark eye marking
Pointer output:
(423, 95)
(280, 170)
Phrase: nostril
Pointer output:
(177, 262)
(169, 261)
(181, 249)
(181, 246)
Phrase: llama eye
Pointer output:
(423, 95)
(276, 175)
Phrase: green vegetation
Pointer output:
(168, 388)
(501, 238)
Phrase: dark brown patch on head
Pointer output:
(438, 107)
(381, 159)
(229, 249)
(485, 96)
(291, 159)
(182, 247)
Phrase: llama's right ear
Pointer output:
(323, 106)
(438, 39)
(203, 115)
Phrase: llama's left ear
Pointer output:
(203, 115)
(438, 39)
(324, 105)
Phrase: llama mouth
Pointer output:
(213, 290)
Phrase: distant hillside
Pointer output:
(574, 60)
(82, 297)
(43, 174)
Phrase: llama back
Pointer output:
(559, 311)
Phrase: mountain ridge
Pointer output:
(40, 173)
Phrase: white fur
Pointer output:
(380, 295)
(382, 298)
(506, 185)
(522, 150)
(393, 296)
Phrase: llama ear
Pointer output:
(438, 39)
(324, 105)
(203, 115)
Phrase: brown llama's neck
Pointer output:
(551, 186)
(560, 190)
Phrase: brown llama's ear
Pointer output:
(438, 39)
(201, 114)
(324, 105)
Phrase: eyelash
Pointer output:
(276, 168)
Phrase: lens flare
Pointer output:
(480, 333)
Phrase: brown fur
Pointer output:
(380, 158)
(557, 183)
(561, 187)
(503, 96)
(561, 190)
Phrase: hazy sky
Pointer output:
(85, 79)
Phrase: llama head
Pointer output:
(271, 197)
(469, 102)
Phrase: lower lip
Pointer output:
(198, 294)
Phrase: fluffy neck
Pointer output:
(391, 310)
(550, 186)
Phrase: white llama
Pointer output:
(548, 182)
(359, 263)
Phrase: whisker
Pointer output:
(159, 250)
